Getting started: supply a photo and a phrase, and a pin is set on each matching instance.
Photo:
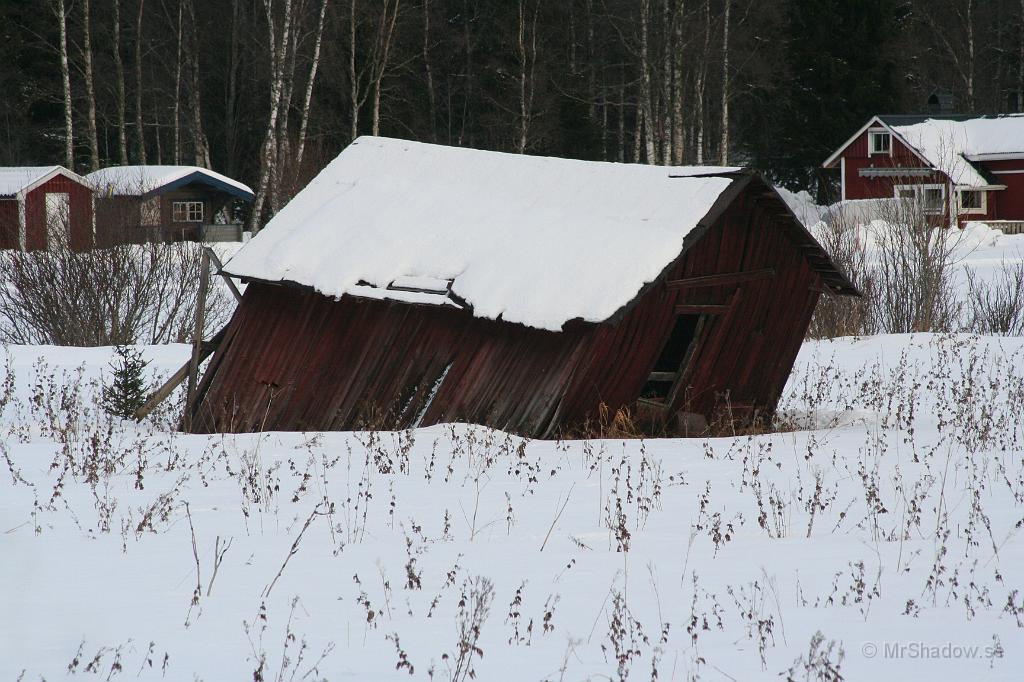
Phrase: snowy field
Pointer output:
(878, 536)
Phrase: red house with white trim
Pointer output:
(41, 206)
(968, 167)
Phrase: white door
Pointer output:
(58, 214)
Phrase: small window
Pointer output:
(933, 199)
(972, 201)
(187, 211)
(879, 142)
(928, 198)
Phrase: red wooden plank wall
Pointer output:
(296, 360)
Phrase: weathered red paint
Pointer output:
(293, 359)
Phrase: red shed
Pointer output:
(963, 166)
(411, 284)
(41, 205)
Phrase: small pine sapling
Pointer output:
(129, 389)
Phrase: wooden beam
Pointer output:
(175, 380)
(663, 376)
(701, 309)
(197, 338)
(220, 271)
(723, 279)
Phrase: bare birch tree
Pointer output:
(723, 151)
(140, 133)
(308, 99)
(199, 141)
(122, 139)
(429, 72)
(646, 118)
(65, 72)
(526, 51)
(277, 52)
(90, 89)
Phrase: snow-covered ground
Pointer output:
(882, 541)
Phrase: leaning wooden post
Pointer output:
(197, 339)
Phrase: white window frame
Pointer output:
(919, 191)
(874, 133)
(190, 211)
(982, 207)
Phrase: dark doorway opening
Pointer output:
(670, 364)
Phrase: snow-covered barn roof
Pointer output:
(953, 144)
(534, 240)
(15, 180)
(143, 180)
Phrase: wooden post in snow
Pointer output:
(197, 339)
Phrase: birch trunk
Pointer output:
(308, 99)
(665, 108)
(200, 142)
(1020, 61)
(231, 103)
(527, 54)
(140, 135)
(90, 90)
(431, 95)
(701, 81)
(177, 93)
(384, 37)
(122, 137)
(65, 72)
(645, 108)
(269, 148)
(723, 152)
(678, 91)
(353, 76)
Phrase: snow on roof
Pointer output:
(139, 180)
(535, 240)
(14, 179)
(950, 144)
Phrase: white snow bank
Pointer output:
(534, 240)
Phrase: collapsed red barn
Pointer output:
(41, 206)
(411, 284)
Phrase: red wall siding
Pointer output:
(1009, 203)
(80, 209)
(1005, 204)
(856, 158)
(9, 229)
(292, 359)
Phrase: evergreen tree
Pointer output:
(129, 389)
(839, 70)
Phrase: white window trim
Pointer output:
(919, 190)
(187, 206)
(971, 211)
(871, 135)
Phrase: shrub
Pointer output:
(129, 388)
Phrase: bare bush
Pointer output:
(844, 315)
(912, 271)
(997, 306)
(119, 295)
